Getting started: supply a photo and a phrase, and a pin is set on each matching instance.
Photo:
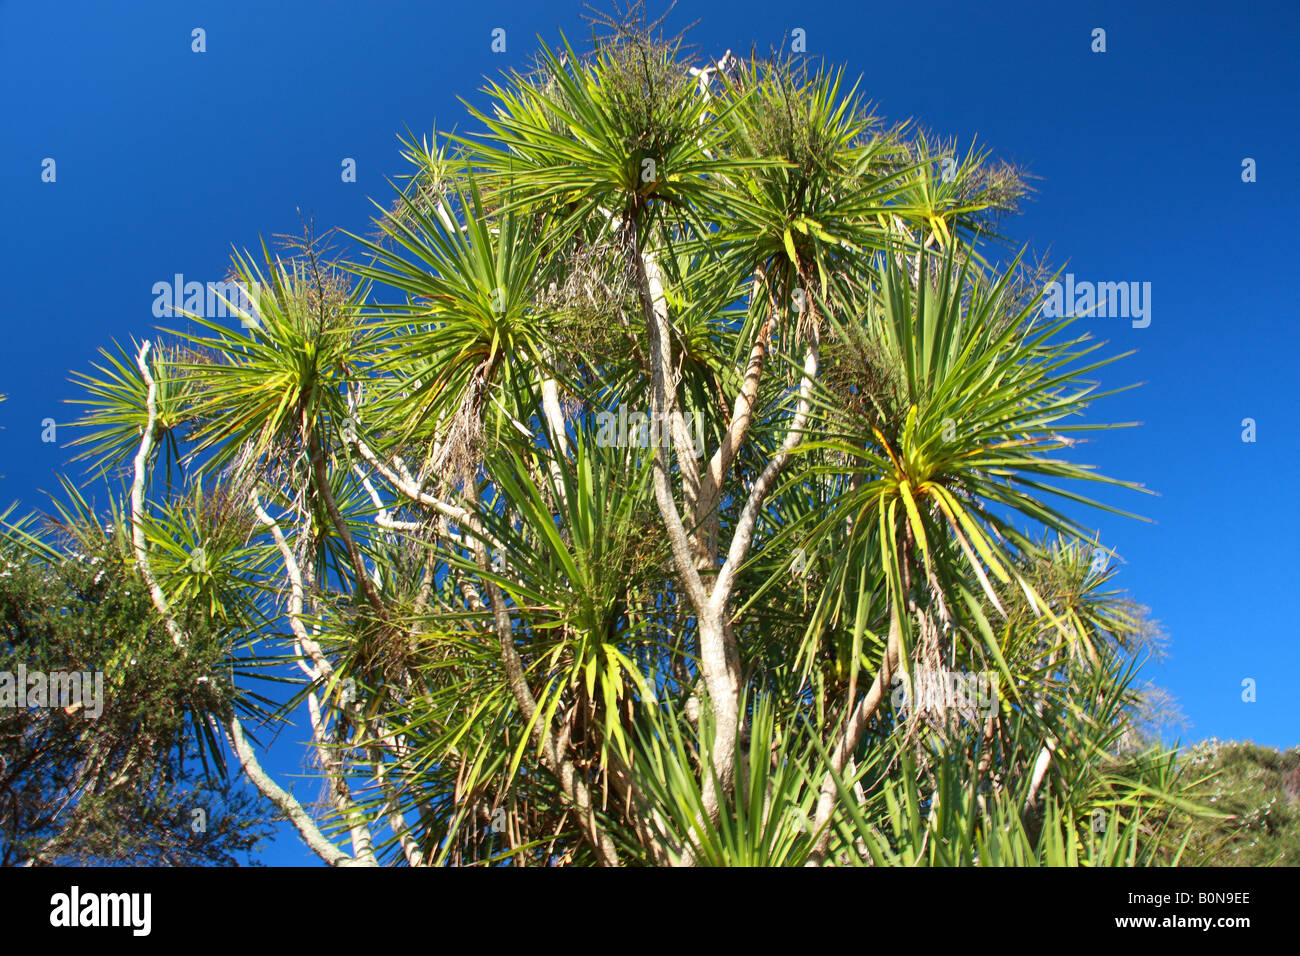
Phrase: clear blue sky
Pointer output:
(166, 158)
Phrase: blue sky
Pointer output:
(166, 158)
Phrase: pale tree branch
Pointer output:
(1041, 766)
(742, 538)
(137, 497)
(282, 799)
(662, 398)
(719, 466)
(721, 678)
(858, 720)
(411, 489)
(560, 449)
(383, 517)
(322, 673)
(286, 802)
(650, 280)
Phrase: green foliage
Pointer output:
(1257, 789)
(128, 784)
(517, 634)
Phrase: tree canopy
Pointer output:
(682, 471)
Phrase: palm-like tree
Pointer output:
(522, 641)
